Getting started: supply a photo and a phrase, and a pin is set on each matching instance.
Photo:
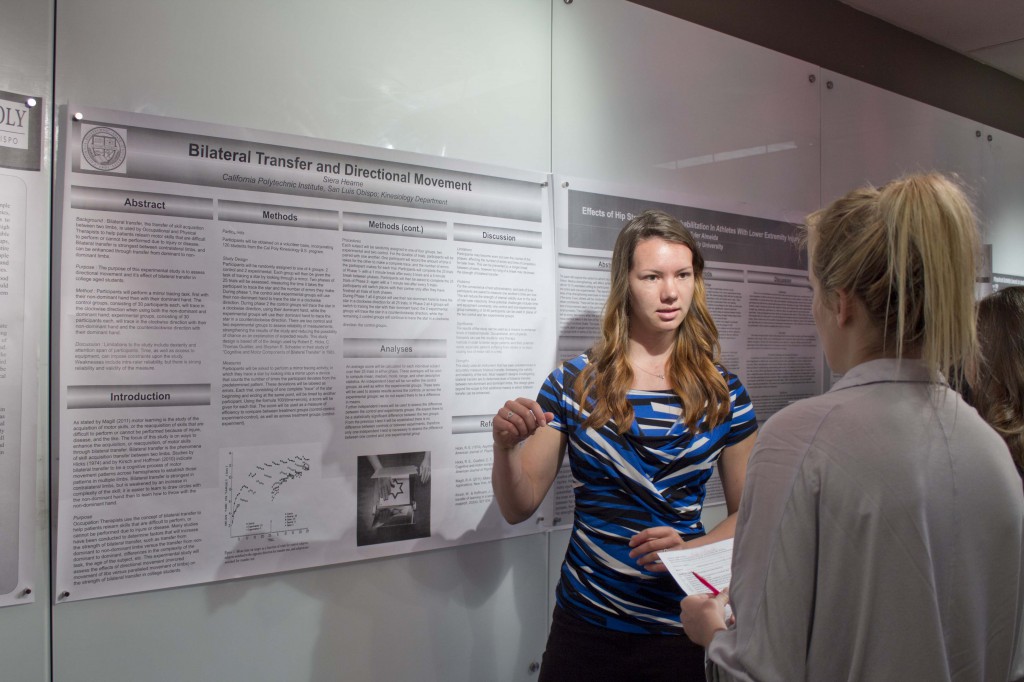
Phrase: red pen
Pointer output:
(714, 590)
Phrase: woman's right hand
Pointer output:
(516, 421)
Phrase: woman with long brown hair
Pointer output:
(997, 384)
(646, 416)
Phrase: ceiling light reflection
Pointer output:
(728, 155)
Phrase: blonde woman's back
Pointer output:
(889, 524)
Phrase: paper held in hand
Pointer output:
(712, 562)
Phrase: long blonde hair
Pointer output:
(603, 384)
(908, 251)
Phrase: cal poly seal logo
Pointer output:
(104, 148)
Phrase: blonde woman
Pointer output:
(646, 416)
(881, 533)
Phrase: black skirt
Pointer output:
(577, 650)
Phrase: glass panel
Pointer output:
(450, 78)
(1002, 200)
(661, 104)
(870, 136)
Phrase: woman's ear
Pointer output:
(843, 310)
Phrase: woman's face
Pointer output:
(660, 287)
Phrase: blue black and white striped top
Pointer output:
(653, 475)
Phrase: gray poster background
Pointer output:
(164, 155)
(596, 231)
(1001, 281)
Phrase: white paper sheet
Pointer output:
(712, 562)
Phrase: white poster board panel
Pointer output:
(420, 617)
(467, 80)
(1002, 200)
(278, 352)
(870, 136)
(647, 99)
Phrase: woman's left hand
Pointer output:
(647, 543)
(702, 615)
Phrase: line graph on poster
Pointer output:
(267, 489)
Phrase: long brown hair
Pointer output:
(691, 367)
(908, 251)
(997, 389)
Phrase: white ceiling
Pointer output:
(991, 31)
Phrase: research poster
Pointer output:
(757, 290)
(277, 352)
(23, 194)
(1002, 280)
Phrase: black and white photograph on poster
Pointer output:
(394, 497)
